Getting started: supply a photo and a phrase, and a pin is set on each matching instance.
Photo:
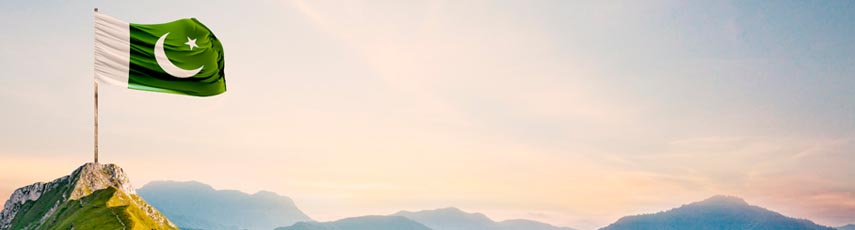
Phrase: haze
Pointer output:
(569, 112)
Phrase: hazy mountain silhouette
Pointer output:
(361, 223)
(523, 224)
(715, 213)
(455, 219)
(847, 227)
(193, 205)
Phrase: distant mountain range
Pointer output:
(95, 196)
(715, 213)
(361, 223)
(193, 205)
(99, 196)
(439, 219)
(456, 219)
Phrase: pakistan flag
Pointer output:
(180, 57)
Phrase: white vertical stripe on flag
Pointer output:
(112, 50)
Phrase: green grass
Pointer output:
(108, 208)
(90, 212)
(33, 211)
(103, 209)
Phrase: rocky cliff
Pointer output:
(93, 196)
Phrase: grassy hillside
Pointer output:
(104, 209)
(32, 212)
(89, 198)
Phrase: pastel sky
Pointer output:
(570, 112)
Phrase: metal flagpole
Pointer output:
(94, 80)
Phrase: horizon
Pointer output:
(570, 113)
(711, 197)
(467, 211)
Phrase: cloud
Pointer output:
(799, 176)
(585, 111)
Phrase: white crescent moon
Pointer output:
(166, 64)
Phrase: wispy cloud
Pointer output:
(583, 111)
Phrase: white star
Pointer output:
(191, 43)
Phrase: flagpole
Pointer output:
(96, 122)
(95, 81)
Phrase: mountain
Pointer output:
(450, 219)
(522, 224)
(719, 213)
(847, 227)
(95, 196)
(193, 205)
(361, 223)
(455, 219)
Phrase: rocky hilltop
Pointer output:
(95, 196)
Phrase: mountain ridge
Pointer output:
(192, 204)
(371, 222)
(717, 212)
(92, 195)
(452, 218)
(199, 189)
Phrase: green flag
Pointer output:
(180, 57)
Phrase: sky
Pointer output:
(573, 113)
